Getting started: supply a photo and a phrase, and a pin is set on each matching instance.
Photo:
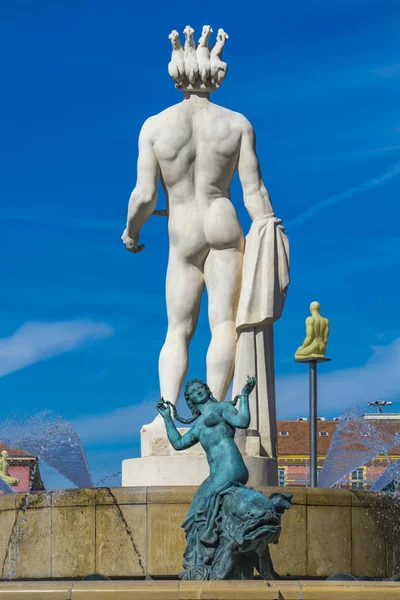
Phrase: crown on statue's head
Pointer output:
(197, 68)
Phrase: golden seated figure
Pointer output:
(317, 333)
(4, 469)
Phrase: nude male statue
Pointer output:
(195, 147)
(317, 333)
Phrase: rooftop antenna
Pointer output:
(380, 404)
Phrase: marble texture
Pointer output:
(189, 470)
(154, 442)
(246, 282)
(197, 67)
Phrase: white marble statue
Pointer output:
(196, 147)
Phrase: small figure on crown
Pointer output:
(197, 68)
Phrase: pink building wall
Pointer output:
(298, 475)
(23, 474)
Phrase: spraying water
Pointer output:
(355, 442)
(113, 480)
(52, 440)
(391, 474)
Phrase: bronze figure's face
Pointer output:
(198, 393)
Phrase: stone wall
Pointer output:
(194, 590)
(134, 532)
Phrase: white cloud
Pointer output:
(118, 425)
(379, 378)
(349, 193)
(34, 342)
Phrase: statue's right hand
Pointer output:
(132, 244)
(163, 408)
(250, 385)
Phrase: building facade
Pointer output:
(294, 448)
(25, 468)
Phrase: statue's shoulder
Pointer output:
(156, 122)
(236, 119)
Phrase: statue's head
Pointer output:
(197, 392)
(174, 37)
(197, 68)
(4, 453)
(315, 307)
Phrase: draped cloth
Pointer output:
(265, 281)
(202, 531)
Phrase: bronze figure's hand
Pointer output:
(249, 387)
(163, 408)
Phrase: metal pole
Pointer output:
(313, 423)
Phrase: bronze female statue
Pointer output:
(225, 519)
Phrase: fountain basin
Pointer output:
(193, 590)
(135, 532)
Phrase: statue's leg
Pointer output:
(265, 566)
(222, 273)
(184, 287)
(224, 559)
(243, 566)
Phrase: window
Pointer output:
(323, 433)
(283, 433)
(318, 473)
(281, 477)
(357, 479)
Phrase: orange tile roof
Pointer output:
(14, 452)
(297, 442)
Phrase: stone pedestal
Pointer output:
(189, 470)
(161, 465)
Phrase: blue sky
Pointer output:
(83, 320)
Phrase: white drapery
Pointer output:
(265, 282)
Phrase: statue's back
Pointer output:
(197, 146)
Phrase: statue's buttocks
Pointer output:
(197, 146)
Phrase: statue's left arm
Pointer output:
(240, 418)
(177, 441)
(256, 197)
(144, 197)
